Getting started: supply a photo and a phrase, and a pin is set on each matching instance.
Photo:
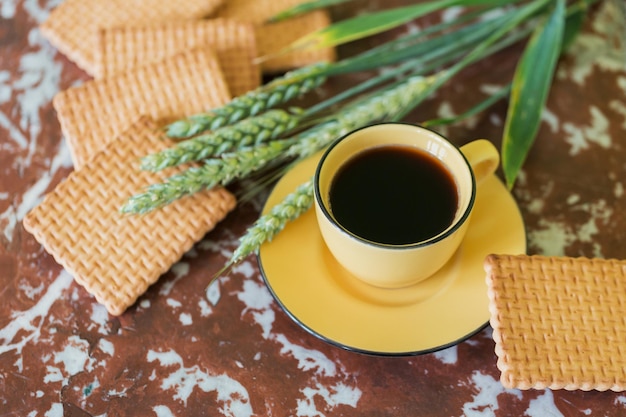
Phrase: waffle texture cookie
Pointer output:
(94, 113)
(255, 11)
(558, 322)
(116, 257)
(272, 37)
(72, 27)
(124, 48)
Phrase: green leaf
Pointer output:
(531, 83)
(304, 8)
(574, 23)
(483, 105)
(446, 45)
(377, 22)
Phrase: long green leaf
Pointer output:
(574, 23)
(444, 45)
(530, 87)
(377, 22)
(486, 47)
(428, 32)
(483, 105)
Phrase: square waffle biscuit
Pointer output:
(116, 256)
(255, 11)
(273, 37)
(558, 322)
(94, 113)
(125, 48)
(72, 27)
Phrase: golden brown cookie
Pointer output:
(94, 113)
(115, 256)
(128, 47)
(558, 322)
(72, 27)
(273, 37)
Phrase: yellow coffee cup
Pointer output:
(393, 200)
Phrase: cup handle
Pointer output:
(483, 157)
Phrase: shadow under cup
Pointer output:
(383, 264)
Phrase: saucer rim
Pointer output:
(349, 348)
(356, 347)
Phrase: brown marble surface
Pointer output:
(184, 351)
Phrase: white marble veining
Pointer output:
(184, 379)
(259, 303)
(28, 323)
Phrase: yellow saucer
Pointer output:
(330, 303)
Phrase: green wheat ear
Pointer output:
(241, 162)
(377, 107)
(215, 171)
(248, 132)
(269, 225)
(288, 87)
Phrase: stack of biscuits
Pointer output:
(152, 62)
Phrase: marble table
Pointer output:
(184, 351)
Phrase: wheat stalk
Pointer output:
(240, 163)
(291, 85)
(272, 223)
(252, 131)
(379, 107)
(295, 204)
(217, 171)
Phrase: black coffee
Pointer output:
(394, 195)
